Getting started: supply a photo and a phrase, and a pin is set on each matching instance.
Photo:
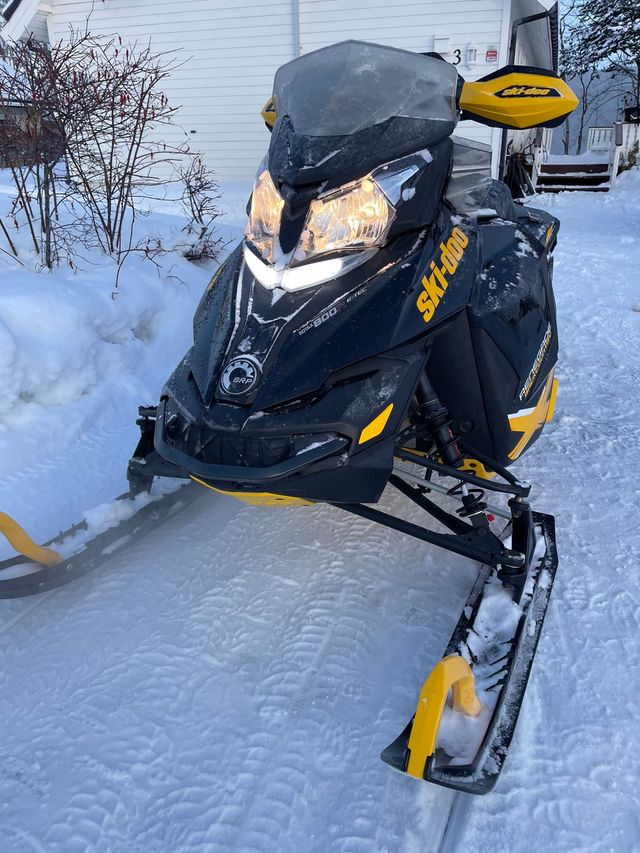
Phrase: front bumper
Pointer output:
(321, 470)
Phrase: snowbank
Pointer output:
(628, 184)
(65, 334)
(78, 354)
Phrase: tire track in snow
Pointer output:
(22, 610)
(455, 823)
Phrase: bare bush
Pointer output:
(81, 125)
(199, 199)
(109, 105)
(31, 145)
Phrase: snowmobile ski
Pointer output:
(502, 667)
(41, 568)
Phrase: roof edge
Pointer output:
(10, 9)
(18, 15)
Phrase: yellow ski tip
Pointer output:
(451, 672)
(20, 540)
(518, 97)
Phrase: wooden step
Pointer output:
(589, 176)
(561, 188)
(570, 168)
(580, 181)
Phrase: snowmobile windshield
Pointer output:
(347, 87)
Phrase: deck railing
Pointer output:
(617, 141)
(600, 139)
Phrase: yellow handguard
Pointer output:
(518, 97)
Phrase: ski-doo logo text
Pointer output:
(239, 376)
(527, 92)
(436, 282)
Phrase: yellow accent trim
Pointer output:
(19, 539)
(414, 451)
(529, 421)
(376, 426)
(257, 498)
(477, 468)
(451, 672)
(552, 400)
(518, 99)
(268, 113)
(437, 277)
(547, 236)
(469, 464)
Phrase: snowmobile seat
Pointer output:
(499, 198)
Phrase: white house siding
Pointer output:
(229, 52)
(38, 26)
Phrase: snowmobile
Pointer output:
(387, 320)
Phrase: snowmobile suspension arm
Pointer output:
(475, 543)
(431, 486)
(511, 487)
(455, 524)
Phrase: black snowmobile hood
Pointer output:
(285, 345)
(349, 107)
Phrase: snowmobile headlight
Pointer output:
(264, 217)
(357, 216)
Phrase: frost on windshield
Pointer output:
(352, 85)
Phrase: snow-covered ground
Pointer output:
(229, 684)
(586, 157)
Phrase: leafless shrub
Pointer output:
(30, 143)
(199, 199)
(110, 106)
(79, 129)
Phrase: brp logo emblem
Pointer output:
(240, 376)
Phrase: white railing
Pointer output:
(630, 135)
(600, 139)
(541, 151)
(617, 141)
(625, 134)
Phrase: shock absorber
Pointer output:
(438, 422)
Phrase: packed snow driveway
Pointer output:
(227, 685)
